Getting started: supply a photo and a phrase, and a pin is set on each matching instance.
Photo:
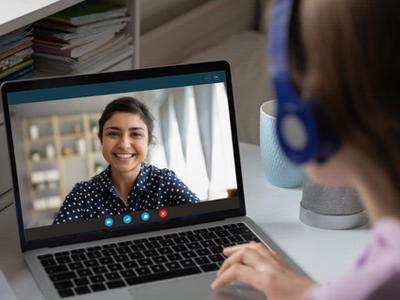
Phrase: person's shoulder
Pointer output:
(100, 179)
(81, 186)
(162, 175)
(78, 191)
(376, 281)
(94, 182)
(388, 229)
(96, 179)
(161, 172)
(388, 288)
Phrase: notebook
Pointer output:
(81, 236)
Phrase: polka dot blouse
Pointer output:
(96, 198)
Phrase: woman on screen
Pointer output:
(128, 184)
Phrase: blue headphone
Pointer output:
(303, 129)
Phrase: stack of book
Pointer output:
(85, 38)
(16, 54)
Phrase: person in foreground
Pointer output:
(128, 184)
(343, 59)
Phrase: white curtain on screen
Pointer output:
(195, 165)
(213, 113)
(195, 140)
(172, 138)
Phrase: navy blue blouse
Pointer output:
(154, 188)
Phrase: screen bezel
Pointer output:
(43, 83)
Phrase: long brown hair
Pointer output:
(346, 54)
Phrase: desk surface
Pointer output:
(323, 254)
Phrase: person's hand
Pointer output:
(262, 268)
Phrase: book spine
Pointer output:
(51, 50)
(16, 68)
(15, 59)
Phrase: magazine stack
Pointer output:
(85, 38)
(16, 55)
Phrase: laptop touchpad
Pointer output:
(193, 288)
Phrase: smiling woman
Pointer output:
(128, 184)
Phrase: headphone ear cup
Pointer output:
(296, 130)
(305, 131)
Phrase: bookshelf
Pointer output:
(21, 13)
(53, 147)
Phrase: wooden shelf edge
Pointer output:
(28, 17)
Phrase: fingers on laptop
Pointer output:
(254, 255)
(260, 248)
(250, 263)
(259, 266)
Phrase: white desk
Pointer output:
(322, 254)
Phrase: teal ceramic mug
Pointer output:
(278, 169)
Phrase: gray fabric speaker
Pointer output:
(331, 208)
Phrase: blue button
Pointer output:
(108, 222)
(145, 216)
(127, 219)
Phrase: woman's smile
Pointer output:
(124, 156)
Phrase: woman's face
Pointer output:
(125, 142)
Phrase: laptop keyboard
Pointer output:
(117, 265)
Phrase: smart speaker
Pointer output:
(331, 207)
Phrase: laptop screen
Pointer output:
(122, 151)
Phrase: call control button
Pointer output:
(163, 213)
(108, 222)
(127, 219)
(145, 216)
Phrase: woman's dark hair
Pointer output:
(345, 54)
(129, 105)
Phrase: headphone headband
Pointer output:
(300, 134)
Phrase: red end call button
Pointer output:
(163, 213)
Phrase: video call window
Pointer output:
(61, 159)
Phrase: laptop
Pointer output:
(152, 251)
